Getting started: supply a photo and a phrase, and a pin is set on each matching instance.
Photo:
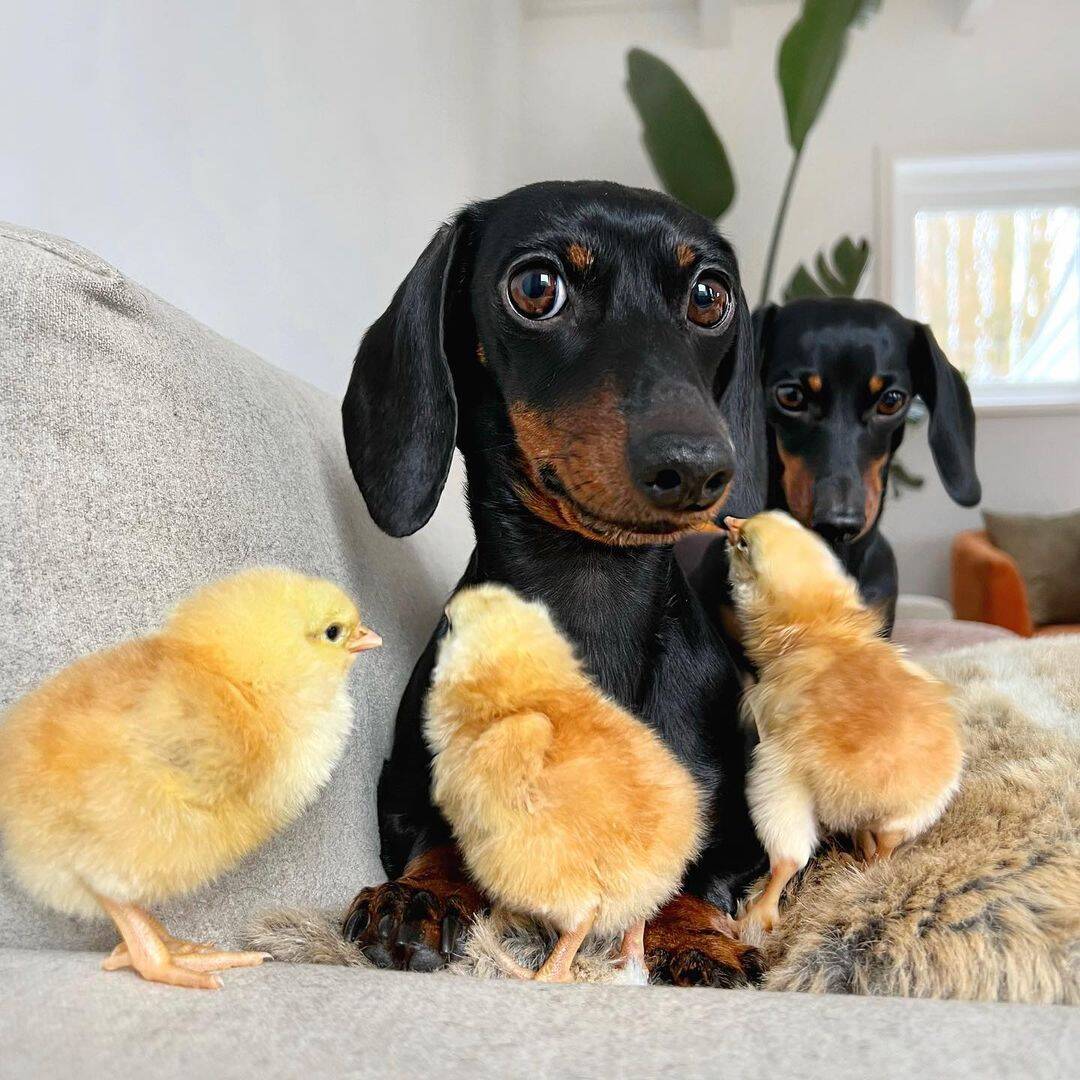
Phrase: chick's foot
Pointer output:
(147, 953)
(417, 922)
(192, 955)
(692, 943)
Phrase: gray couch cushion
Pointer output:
(286, 1020)
(143, 455)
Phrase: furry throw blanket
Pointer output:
(984, 906)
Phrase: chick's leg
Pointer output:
(887, 841)
(783, 812)
(147, 953)
(866, 842)
(556, 968)
(632, 948)
(765, 909)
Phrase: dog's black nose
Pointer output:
(682, 472)
(838, 515)
(840, 530)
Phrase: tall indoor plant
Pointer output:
(692, 164)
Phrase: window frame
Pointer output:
(972, 182)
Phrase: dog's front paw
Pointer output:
(415, 923)
(692, 943)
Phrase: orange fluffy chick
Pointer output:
(854, 738)
(146, 770)
(566, 808)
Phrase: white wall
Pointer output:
(910, 86)
(272, 167)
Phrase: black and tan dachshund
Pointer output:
(839, 377)
(588, 347)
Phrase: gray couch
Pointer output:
(142, 454)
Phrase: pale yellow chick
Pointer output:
(854, 738)
(566, 807)
(146, 770)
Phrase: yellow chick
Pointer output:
(854, 738)
(146, 770)
(566, 808)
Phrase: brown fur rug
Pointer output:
(985, 906)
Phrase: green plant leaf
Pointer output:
(832, 284)
(803, 287)
(682, 144)
(850, 260)
(809, 59)
(840, 277)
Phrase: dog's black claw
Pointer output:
(379, 955)
(356, 923)
(386, 929)
(451, 932)
(424, 958)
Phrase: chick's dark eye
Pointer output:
(891, 402)
(710, 302)
(790, 397)
(537, 291)
(332, 632)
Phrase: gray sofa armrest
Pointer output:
(143, 455)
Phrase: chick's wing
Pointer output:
(509, 757)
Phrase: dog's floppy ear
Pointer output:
(952, 419)
(400, 412)
(744, 411)
(763, 320)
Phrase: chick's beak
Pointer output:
(362, 639)
(734, 528)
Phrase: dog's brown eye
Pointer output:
(891, 402)
(709, 302)
(537, 292)
(789, 396)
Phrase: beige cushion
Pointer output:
(1046, 549)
